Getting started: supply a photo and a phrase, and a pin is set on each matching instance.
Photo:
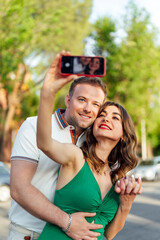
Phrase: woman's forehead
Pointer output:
(111, 108)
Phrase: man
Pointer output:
(34, 175)
(79, 64)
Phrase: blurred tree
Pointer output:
(133, 68)
(104, 36)
(31, 32)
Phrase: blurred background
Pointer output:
(32, 32)
(126, 33)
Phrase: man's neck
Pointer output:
(78, 131)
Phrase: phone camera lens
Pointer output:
(67, 64)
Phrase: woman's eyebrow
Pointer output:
(117, 114)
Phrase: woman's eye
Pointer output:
(115, 118)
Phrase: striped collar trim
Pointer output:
(73, 136)
(60, 119)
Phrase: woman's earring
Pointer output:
(123, 141)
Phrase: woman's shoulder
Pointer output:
(75, 153)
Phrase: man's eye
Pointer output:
(81, 99)
(96, 104)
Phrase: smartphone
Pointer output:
(83, 66)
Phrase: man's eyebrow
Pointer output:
(93, 100)
(97, 102)
(81, 97)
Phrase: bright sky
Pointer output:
(116, 8)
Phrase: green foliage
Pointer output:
(133, 67)
(104, 37)
(31, 33)
(31, 28)
(29, 106)
(40, 26)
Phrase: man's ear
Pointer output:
(67, 100)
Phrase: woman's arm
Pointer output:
(128, 190)
(62, 153)
(117, 224)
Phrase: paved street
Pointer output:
(4, 222)
(142, 223)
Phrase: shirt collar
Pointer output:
(60, 119)
(63, 124)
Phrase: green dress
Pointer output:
(82, 194)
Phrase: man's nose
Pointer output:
(87, 107)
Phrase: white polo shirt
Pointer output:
(45, 178)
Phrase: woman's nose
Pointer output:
(106, 119)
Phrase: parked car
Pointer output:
(4, 182)
(148, 169)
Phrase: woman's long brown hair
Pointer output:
(123, 156)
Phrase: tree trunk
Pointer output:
(6, 147)
(149, 150)
(6, 136)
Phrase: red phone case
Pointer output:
(84, 74)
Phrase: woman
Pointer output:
(87, 176)
(93, 68)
